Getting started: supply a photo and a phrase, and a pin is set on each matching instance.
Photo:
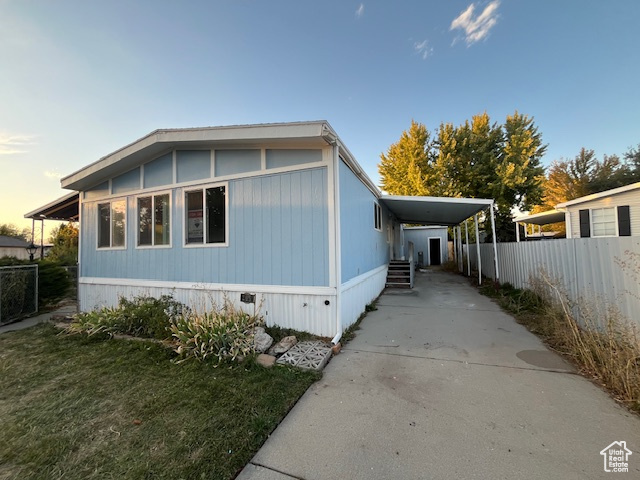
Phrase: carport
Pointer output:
(64, 209)
(540, 219)
(450, 212)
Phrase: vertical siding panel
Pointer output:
(306, 225)
(319, 256)
(261, 224)
(296, 226)
(275, 206)
(286, 212)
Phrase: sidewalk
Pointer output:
(65, 310)
(439, 383)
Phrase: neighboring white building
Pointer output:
(13, 247)
(612, 213)
(430, 244)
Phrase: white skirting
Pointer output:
(358, 292)
(301, 308)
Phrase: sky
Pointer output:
(81, 78)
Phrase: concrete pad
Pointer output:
(413, 412)
(446, 318)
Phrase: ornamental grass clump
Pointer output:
(142, 316)
(219, 335)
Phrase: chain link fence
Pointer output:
(18, 292)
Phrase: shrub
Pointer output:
(222, 334)
(53, 282)
(141, 316)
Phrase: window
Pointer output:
(154, 220)
(206, 215)
(377, 217)
(603, 222)
(112, 224)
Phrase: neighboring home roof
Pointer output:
(6, 241)
(595, 196)
(64, 208)
(543, 218)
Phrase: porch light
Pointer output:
(31, 250)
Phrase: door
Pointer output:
(435, 254)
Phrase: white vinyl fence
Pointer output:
(596, 268)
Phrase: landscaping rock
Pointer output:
(283, 345)
(261, 340)
(336, 348)
(265, 360)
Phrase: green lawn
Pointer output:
(74, 407)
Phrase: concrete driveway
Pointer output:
(440, 383)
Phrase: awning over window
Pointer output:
(64, 209)
(434, 210)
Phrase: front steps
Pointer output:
(399, 274)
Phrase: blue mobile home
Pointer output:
(281, 211)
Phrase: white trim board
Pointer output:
(128, 282)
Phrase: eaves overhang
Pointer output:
(164, 140)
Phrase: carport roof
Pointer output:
(543, 218)
(434, 210)
(64, 208)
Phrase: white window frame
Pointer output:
(111, 201)
(591, 224)
(153, 205)
(377, 217)
(203, 188)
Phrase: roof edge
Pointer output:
(595, 196)
(160, 135)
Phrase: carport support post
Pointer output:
(455, 245)
(475, 220)
(460, 260)
(517, 232)
(466, 235)
(495, 247)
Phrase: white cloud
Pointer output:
(423, 49)
(12, 144)
(53, 174)
(360, 11)
(476, 28)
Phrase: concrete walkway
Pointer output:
(440, 383)
(64, 310)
